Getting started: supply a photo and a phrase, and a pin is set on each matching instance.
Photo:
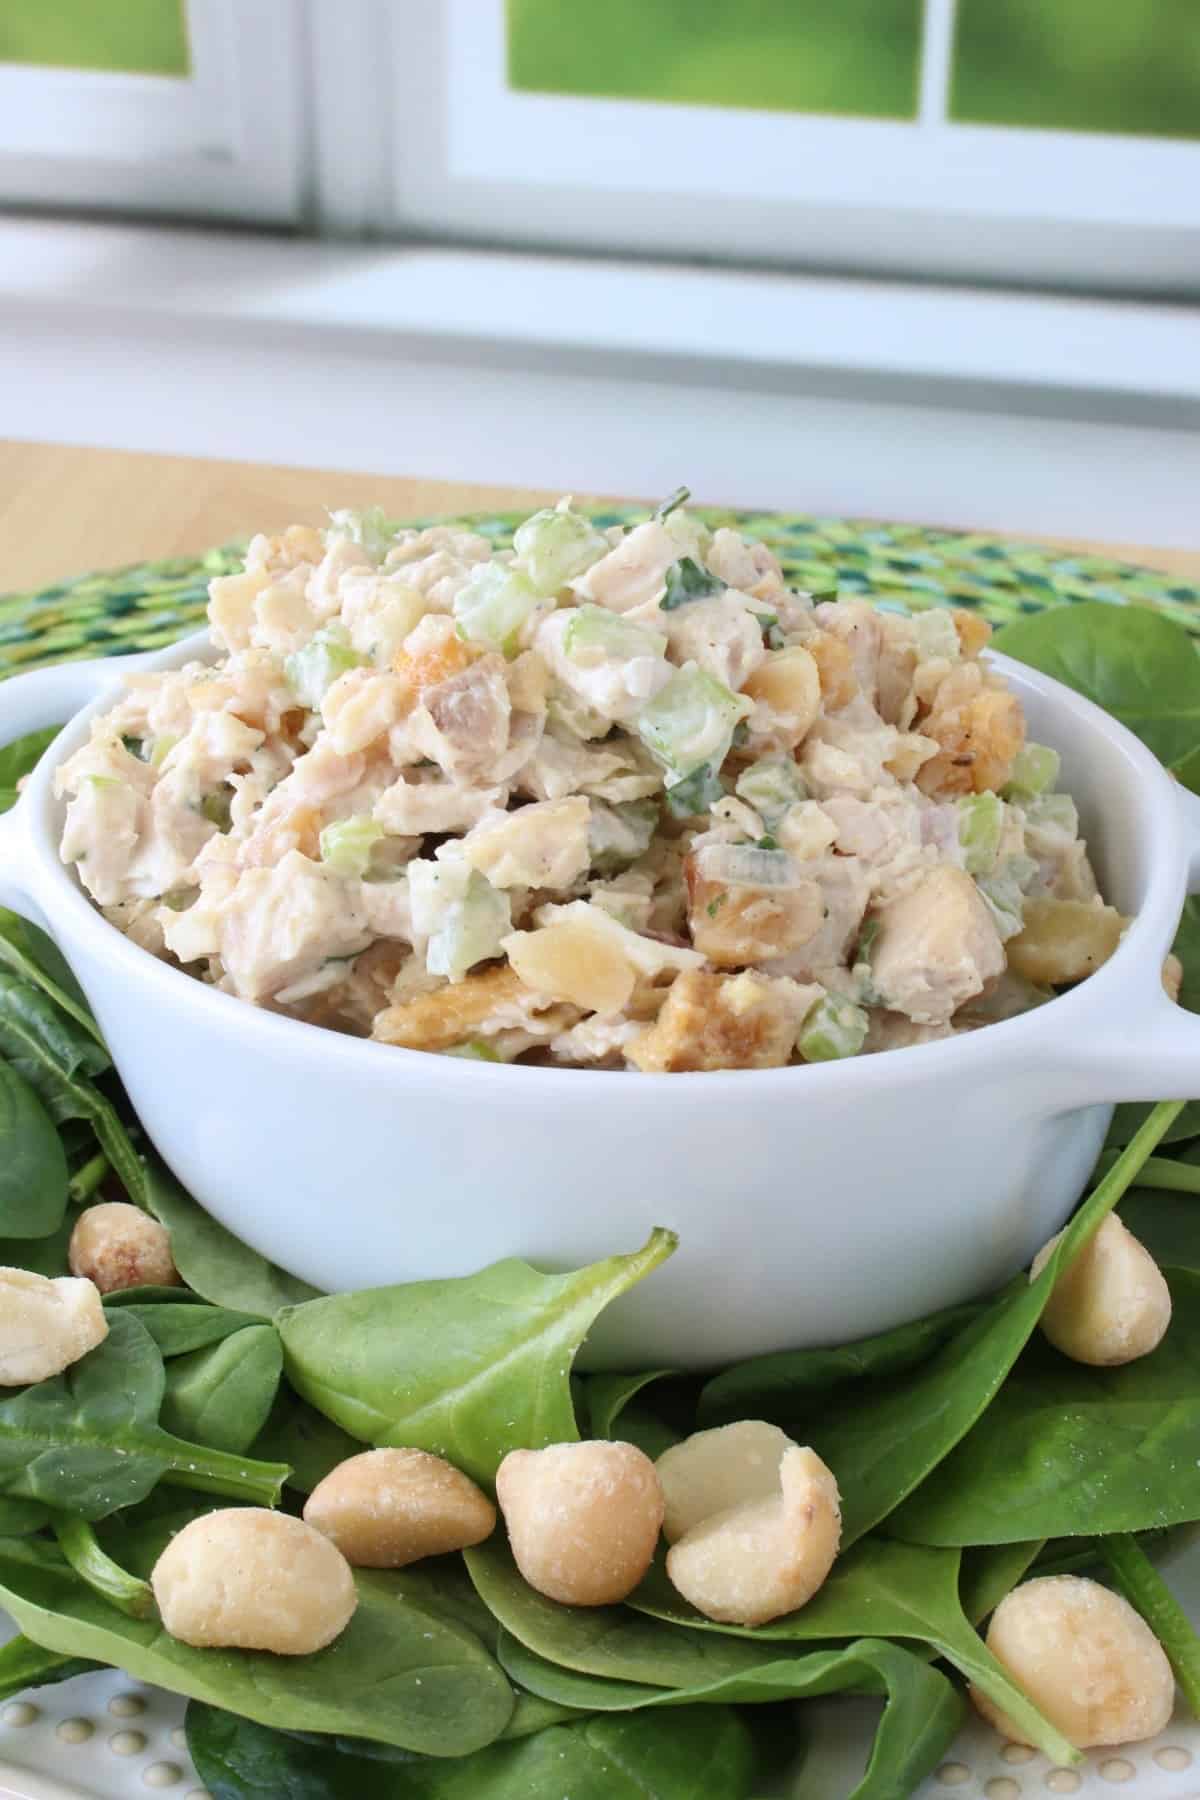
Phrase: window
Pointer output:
(179, 106)
(1015, 139)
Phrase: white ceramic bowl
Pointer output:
(813, 1205)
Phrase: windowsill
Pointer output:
(1018, 412)
(1058, 352)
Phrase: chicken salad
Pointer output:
(614, 798)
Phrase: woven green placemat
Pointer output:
(914, 566)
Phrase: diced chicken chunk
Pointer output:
(734, 925)
(751, 568)
(276, 926)
(937, 947)
(723, 635)
(633, 573)
(462, 724)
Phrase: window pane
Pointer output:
(1079, 65)
(858, 56)
(143, 37)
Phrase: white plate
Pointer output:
(104, 1737)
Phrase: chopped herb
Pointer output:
(136, 746)
(768, 842)
(695, 793)
(866, 940)
(668, 506)
(215, 807)
(714, 906)
(686, 580)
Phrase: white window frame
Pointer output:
(472, 158)
(225, 141)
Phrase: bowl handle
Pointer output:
(1153, 1052)
(29, 703)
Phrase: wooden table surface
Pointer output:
(64, 510)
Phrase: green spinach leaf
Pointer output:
(400, 1672)
(921, 1719)
(310, 1444)
(20, 758)
(882, 1449)
(886, 1590)
(33, 1165)
(37, 959)
(88, 1441)
(1139, 666)
(43, 1256)
(211, 1260)
(605, 1398)
(180, 1325)
(18, 1518)
(222, 1395)
(58, 1058)
(1167, 1224)
(784, 1386)
(24, 1664)
(1065, 1448)
(610, 1641)
(689, 1755)
(990, 1571)
(468, 1368)
(79, 1544)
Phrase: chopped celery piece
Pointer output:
(748, 865)
(1051, 812)
(1035, 768)
(695, 793)
(835, 1027)
(461, 913)
(672, 503)
(494, 604)
(161, 749)
(215, 807)
(346, 845)
(366, 525)
(594, 634)
(980, 823)
(556, 546)
(618, 835)
(475, 1050)
(770, 786)
(1004, 892)
(936, 636)
(689, 580)
(312, 671)
(690, 723)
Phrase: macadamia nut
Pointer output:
(45, 1326)
(713, 1470)
(387, 1508)
(1111, 1305)
(120, 1246)
(1085, 1658)
(583, 1519)
(757, 1561)
(244, 1578)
